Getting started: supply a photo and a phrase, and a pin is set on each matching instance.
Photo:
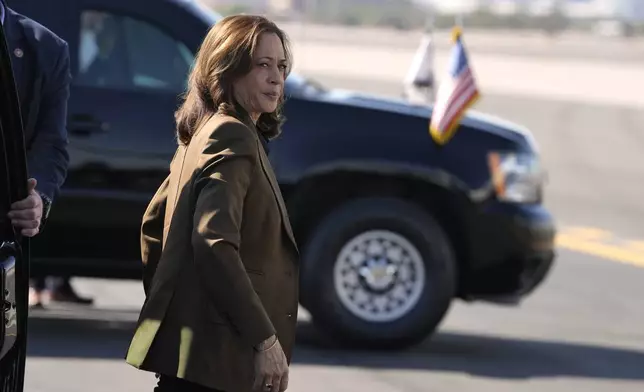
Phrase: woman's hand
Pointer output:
(271, 367)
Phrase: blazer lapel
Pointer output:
(22, 60)
(16, 42)
(268, 171)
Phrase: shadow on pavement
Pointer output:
(483, 356)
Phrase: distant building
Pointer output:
(284, 6)
(301, 5)
(455, 6)
(250, 4)
(625, 9)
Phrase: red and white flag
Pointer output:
(457, 92)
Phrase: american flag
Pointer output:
(455, 94)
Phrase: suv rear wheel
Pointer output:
(378, 272)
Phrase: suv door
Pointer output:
(129, 65)
(14, 255)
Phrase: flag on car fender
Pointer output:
(457, 92)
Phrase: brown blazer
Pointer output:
(220, 262)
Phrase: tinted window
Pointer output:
(121, 52)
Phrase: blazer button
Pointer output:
(289, 315)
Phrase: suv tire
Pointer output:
(385, 249)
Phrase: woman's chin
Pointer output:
(269, 108)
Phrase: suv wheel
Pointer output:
(378, 272)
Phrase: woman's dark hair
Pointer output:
(224, 56)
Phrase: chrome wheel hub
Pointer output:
(379, 276)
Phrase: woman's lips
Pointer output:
(273, 96)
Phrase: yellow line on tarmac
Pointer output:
(591, 241)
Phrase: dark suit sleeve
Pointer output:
(229, 160)
(152, 234)
(47, 157)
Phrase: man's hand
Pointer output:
(271, 367)
(26, 213)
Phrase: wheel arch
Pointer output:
(325, 187)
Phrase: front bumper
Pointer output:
(512, 250)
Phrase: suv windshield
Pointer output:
(296, 84)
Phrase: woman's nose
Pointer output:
(275, 77)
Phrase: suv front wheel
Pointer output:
(378, 272)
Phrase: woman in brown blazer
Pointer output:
(220, 259)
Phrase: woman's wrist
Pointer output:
(267, 344)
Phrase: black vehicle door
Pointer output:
(129, 68)
(14, 255)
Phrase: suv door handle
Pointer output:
(85, 125)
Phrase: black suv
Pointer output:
(392, 226)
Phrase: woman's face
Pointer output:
(259, 91)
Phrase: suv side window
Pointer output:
(122, 52)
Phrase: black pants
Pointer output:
(174, 384)
(40, 283)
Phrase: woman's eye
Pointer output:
(282, 67)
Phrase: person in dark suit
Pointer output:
(220, 258)
(40, 61)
